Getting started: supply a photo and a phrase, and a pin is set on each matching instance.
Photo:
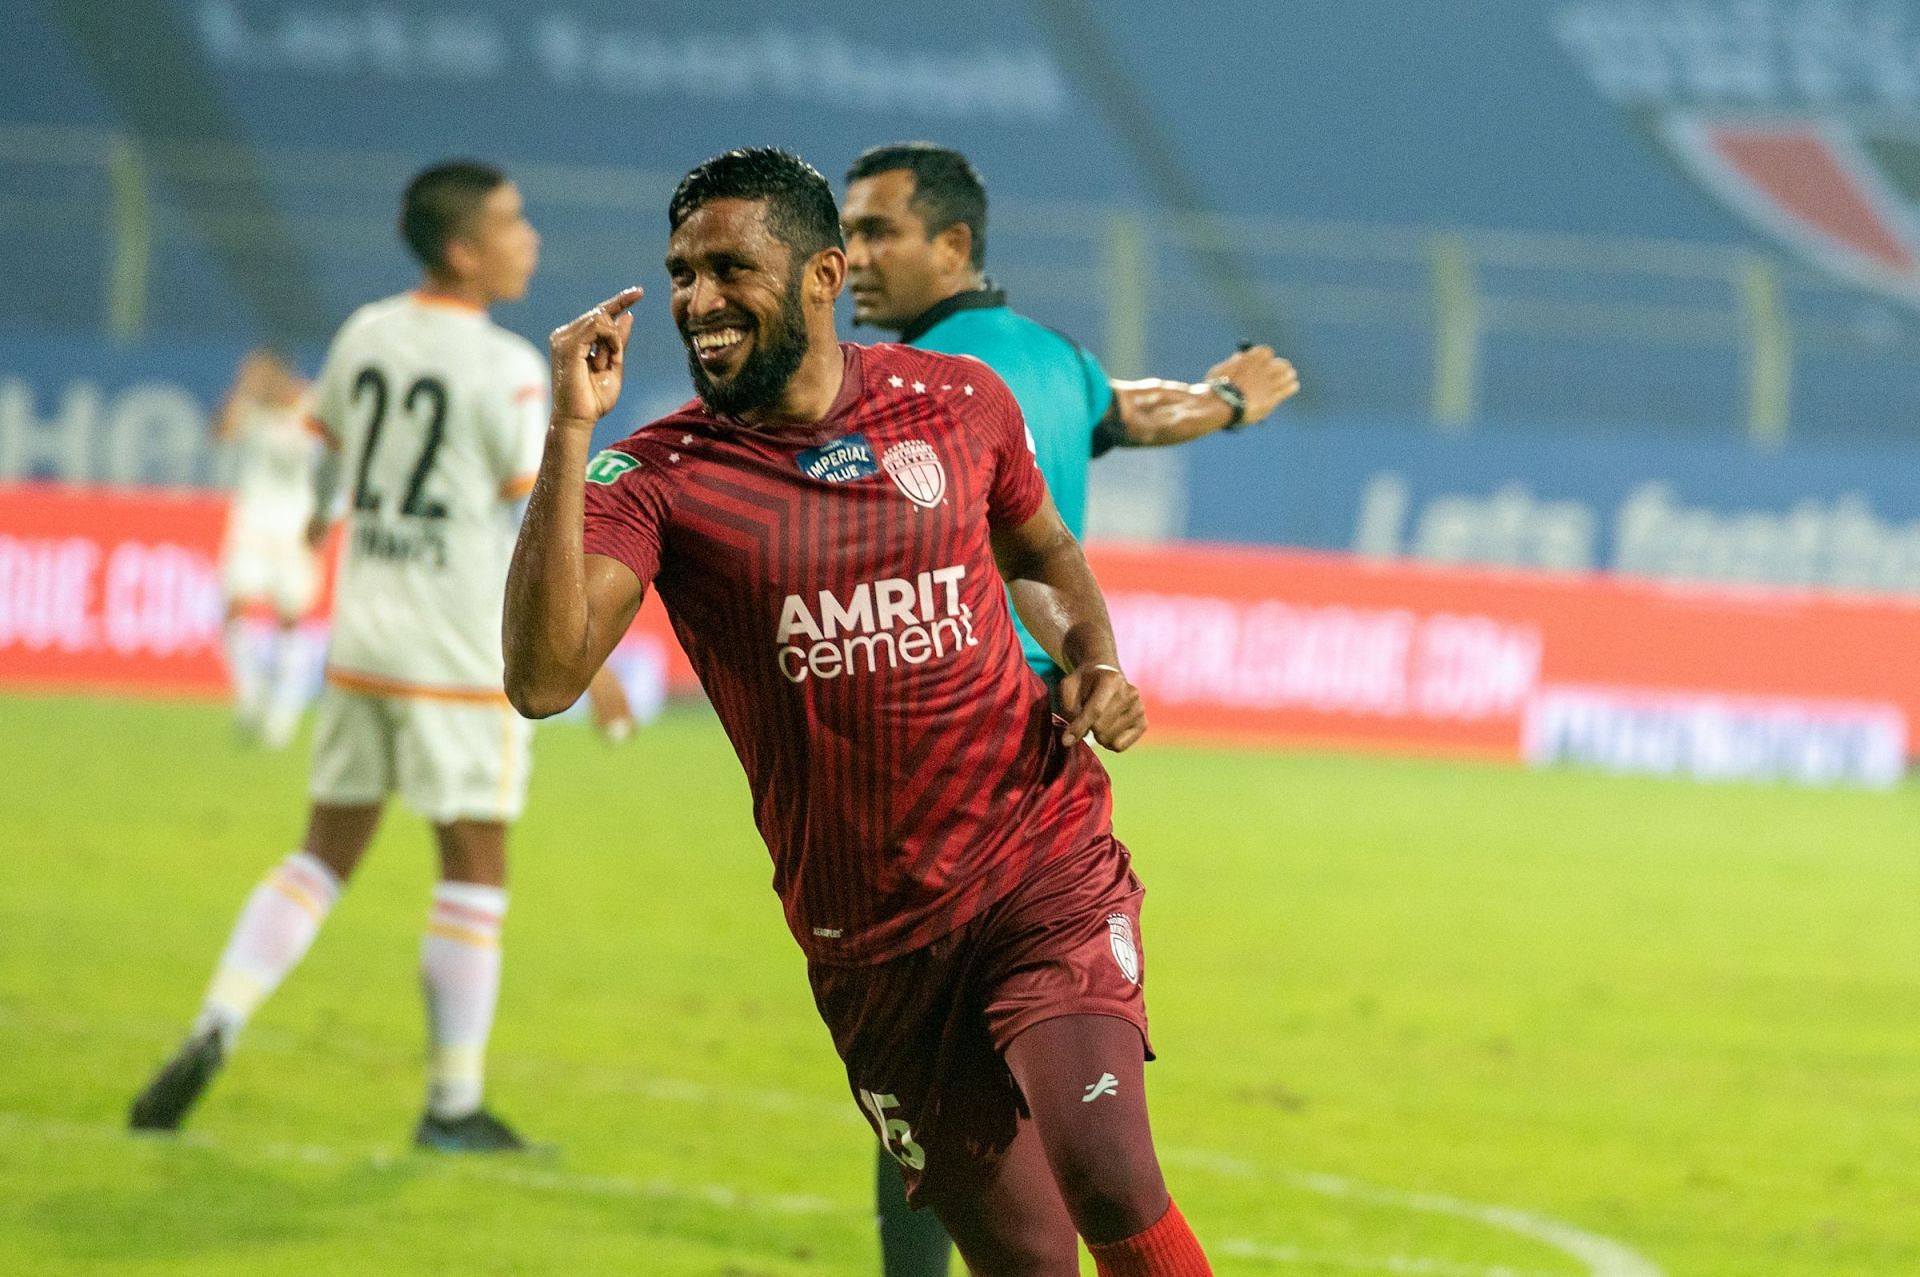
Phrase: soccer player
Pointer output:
(437, 415)
(829, 527)
(915, 221)
(265, 560)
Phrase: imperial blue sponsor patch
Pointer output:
(841, 461)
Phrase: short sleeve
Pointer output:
(328, 397)
(518, 425)
(626, 510)
(1099, 385)
(1018, 488)
(1104, 432)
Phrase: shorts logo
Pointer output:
(609, 466)
(916, 470)
(839, 461)
(1125, 953)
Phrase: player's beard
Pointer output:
(763, 377)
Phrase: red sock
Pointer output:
(1168, 1249)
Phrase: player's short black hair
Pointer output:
(946, 187)
(800, 208)
(438, 204)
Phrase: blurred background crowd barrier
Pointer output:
(1605, 310)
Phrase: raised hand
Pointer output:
(588, 356)
(1265, 380)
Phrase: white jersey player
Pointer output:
(265, 561)
(437, 417)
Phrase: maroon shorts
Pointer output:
(922, 1035)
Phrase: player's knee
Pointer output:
(997, 1246)
(1111, 1197)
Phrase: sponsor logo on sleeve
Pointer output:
(605, 468)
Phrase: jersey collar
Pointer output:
(433, 297)
(987, 298)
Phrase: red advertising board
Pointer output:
(1280, 646)
(118, 590)
(110, 591)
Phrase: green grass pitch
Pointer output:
(1414, 1018)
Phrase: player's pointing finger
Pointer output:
(621, 300)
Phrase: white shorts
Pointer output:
(449, 760)
(278, 570)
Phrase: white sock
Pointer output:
(460, 970)
(243, 665)
(275, 929)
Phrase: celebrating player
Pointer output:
(437, 417)
(265, 560)
(915, 220)
(829, 526)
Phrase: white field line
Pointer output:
(519, 1171)
(1407, 1265)
(1601, 1256)
(507, 1172)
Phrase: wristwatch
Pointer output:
(1233, 397)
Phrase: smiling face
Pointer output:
(738, 302)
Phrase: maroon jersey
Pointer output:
(834, 586)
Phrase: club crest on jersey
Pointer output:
(916, 470)
(609, 466)
(838, 461)
(1125, 953)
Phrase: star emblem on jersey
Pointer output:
(1107, 1085)
(1126, 954)
(896, 381)
(605, 468)
(916, 470)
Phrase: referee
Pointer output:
(915, 220)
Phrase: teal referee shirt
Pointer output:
(1061, 389)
